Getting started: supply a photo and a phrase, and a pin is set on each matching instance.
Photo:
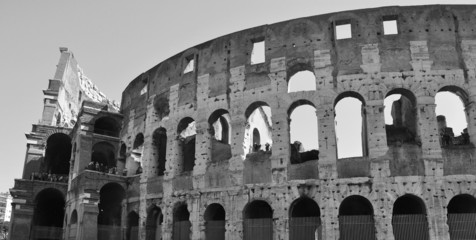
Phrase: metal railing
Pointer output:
(357, 227)
(258, 229)
(410, 227)
(462, 226)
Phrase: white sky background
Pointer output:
(114, 41)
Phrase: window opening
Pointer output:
(302, 81)
(303, 130)
(160, 149)
(258, 52)
(154, 223)
(400, 117)
(462, 217)
(258, 221)
(390, 25)
(350, 127)
(305, 221)
(258, 133)
(186, 140)
(182, 224)
(219, 129)
(356, 218)
(343, 29)
(409, 219)
(451, 117)
(214, 222)
(190, 67)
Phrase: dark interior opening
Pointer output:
(258, 209)
(57, 154)
(408, 204)
(107, 126)
(355, 205)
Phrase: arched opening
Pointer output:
(57, 155)
(303, 132)
(159, 139)
(110, 209)
(73, 225)
(258, 221)
(356, 219)
(121, 161)
(220, 132)
(258, 131)
(102, 157)
(182, 225)
(400, 117)
(462, 217)
(350, 125)
(132, 231)
(48, 215)
(214, 222)
(136, 154)
(409, 219)
(186, 144)
(107, 126)
(451, 116)
(302, 81)
(305, 220)
(154, 223)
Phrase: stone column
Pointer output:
(377, 139)
(327, 141)
(87, 227)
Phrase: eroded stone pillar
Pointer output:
(327, 141)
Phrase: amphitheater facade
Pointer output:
(200, 145)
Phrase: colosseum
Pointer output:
(201, 148)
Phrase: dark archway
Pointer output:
(409, 219)
(154, 223)
(214, 222)
(107, 126)
(103, 154)
(258, 221)
(57, 154)
(132, 231)
(110, 210)
(220, 131)
(48, 215)
(356, 219)
(159, 138)
(462, 217)
(186, 143)
(182, 225)
(305, 220)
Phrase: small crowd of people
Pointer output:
(99, 167)
(49, 177)
(257, 147)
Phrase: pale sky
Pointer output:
(114, 41)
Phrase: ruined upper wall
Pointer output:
(443, 27)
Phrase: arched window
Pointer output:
(258, 221)
(303, 132)
(214, 222)
(45, 223)
(409, 219)
(107, 126)
(136, 154)
(103, 156)
(186, 144)
(350, 124)
(159, 139)
(132, 232)
(220, 132)
(57, 154)
(110, 209)
(462, 217)
(302, 81)
(154, 223)
(356, 218)
(305, 220)
(451, 116)
(182, 224)
(400, 117)
(258, 133)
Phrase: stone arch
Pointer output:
(103, 154)
(403, 111)
(159, 150)
(214, 217)
(154, 222)
(462, 216)
(48, 214)
(409, 218)
(181, 222)
(57, 154)
(107, 126)
(111, 196)
(258, 213)
(301, 77)
(132, 231)
(303, 148)
(137, 153)
(356, 216)
(342, 114)
(453, 104)
(304, 219)
(220, 135)
(258, 115)
(186, 131)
